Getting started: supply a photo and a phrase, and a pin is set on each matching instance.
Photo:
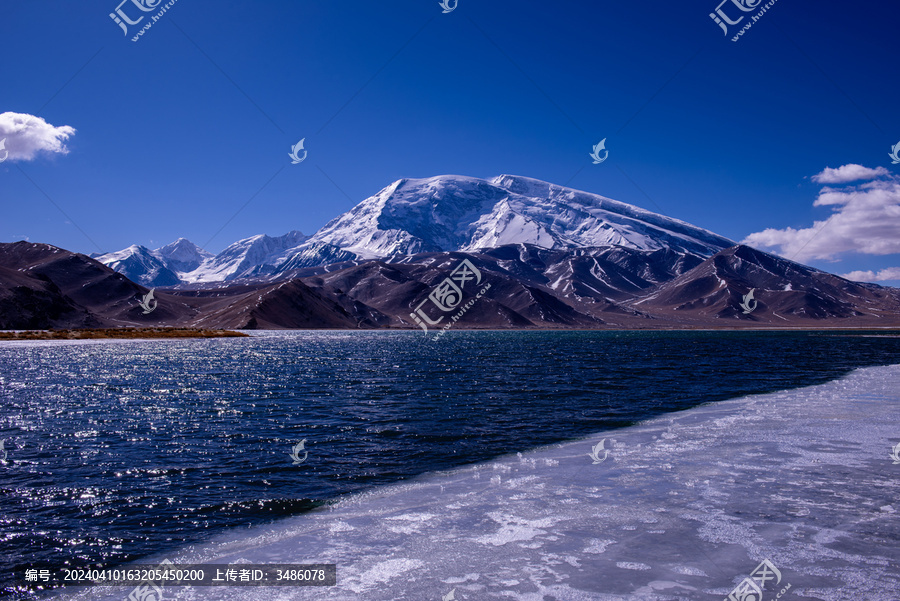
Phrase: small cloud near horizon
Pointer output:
(865, 219)
(848, 173)
(26, 135)
(884, 275)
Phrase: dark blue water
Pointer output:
(121, 449)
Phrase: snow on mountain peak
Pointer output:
(182, 255)
(526, 186)
(256, 255)
(441, 214)
(460, 213)
(140, 265)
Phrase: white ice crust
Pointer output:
(685, 506)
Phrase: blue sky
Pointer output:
(176, 132)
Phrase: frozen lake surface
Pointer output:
(685, 506)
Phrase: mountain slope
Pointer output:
(396, 290)
(285, 305)
(785, 293)
(182, 255)
(44, 287)
(522, 286)
(456, 213)
(257, 255)
(141, 265)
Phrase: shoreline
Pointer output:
(684, 507)
(118, 334)
(186, 332)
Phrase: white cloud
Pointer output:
(848, 173)
(26, 135)
(891, 273)
(865, 219)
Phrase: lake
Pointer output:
(117, 450)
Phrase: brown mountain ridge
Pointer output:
(45, 287)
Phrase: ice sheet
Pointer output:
(684, 507)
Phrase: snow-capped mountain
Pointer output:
(257, 255)
(142, 265)
(446, 213)
(185, 262)
(456, 213)
(182, 255)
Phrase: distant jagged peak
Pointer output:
(182, 249)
